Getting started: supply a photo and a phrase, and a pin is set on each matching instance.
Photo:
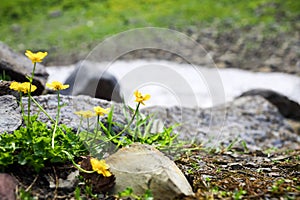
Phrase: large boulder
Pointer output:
(17, 67)
(251, 119)
(91, 79)
(142, 167)
(287, 107)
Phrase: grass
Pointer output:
(70, 28)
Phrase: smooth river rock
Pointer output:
(91, 79)
(287, 107)
(142, 167)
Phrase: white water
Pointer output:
(171, 83)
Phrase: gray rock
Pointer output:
(10, 117)
(8, 186)
(72, 104)
(229, 59)
(288, 108)
(55, 13)
(5, 90)
(91, 79)
(17, 66)
(142, 167)
(274, 61)
(252, 119)
(69, 183)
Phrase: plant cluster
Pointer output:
(38, 145)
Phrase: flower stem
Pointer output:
(57, 118)
(128, 125)
(88, 129)
(76, 165)
(97, 127)
(21, 104)
(29, 93)
(42, 109)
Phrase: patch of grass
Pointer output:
(66, 27)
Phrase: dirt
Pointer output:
(222, 174)
(248, 175)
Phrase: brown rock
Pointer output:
(7, 187)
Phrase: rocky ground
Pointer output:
(249, 48)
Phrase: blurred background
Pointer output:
(258, 35)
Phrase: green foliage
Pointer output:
(32, 146)
(81, 23)
(23, 195)
(77, 193)
(139, 131)
(238, 194)
(4, 76)
(128, 192)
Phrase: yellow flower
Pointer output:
(141, 98)
(100, 111)
(22, 87)
(85, 114)
(16, 86)
(100, 167)
(36, 57)
(26, 86)
(56, 85)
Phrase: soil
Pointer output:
(248, 175)
(222, 174)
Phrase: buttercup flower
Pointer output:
(26, 86)
(16, 86)
(85, 114)
(56, 85)
(100, 111)
(100, 167)
(36, 57)
(141, 98)
(22, 87)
